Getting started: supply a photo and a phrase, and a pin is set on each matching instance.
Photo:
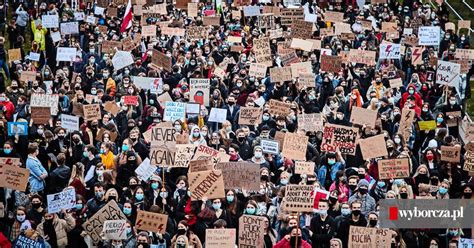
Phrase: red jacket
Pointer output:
(284, 243)
(9, 109)
(4, 242)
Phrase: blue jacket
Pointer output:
(36, 170)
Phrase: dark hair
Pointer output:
(92, 149)
(32, 148)
(61, 158)
(220, 223)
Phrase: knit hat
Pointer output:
(363, 184)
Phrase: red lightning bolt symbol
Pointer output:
(415, 54)
(387, 50)
(139, 223)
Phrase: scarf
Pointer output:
(51, 232)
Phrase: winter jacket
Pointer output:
(62, 227)
(59, 178)
(284, 243)
(39, 35)
(36, 170)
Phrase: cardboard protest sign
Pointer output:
(333, 16)
(301, 29)
(393, 168)
(429, 35)
(217, 115)
(295, 146)
(208, 184)
(466, 131)
(453, 118)
(62, 200)
(17, 128)
(342, 138)
(258, 70)
(344, 30)
(427, 125)
(280, 138)
(241, 175)
(306, 80)
(362, 57)
(250, 116)
(389, 51)
(363, 116)
(465, 65)
(408, 115)
(469, 161)
(199, 32)
(94, 225)
(417, 55)
(175, 111)
(153, 222)
(28, 76)
(149, 31)
(270, 146)
(14, 55)
(446, 72)
(373, 147)
(310, 122)
(464, 54)
(108, 46)
(160, 59)
(12, 176)
(184, 154)
(115, 229)
(201, 165)
(145, 170)
(289, 15)
(301, 68)
(41, 115)
(331, 63)
(205, 152)
(298, 198)
(261, 48)
(302, 167)
(251, 11)
(251, 232)
(199, 91)
(122, 59)
(211, 21)
(369, 237)
(276, 107)
(92, 112)
(220, 238)
(451, 153)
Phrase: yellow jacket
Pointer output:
(108, 160)
(39, 35)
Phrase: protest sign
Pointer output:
(373, 147)
(389, 51)
(94, 225)
(362, 56)
(251, 11)
(469, 162)
(201, 165)
(304, 167)
(408, 115)
(149, 83)
(288, 15)
(23, 242)
(270, 146)
(192, 9)
(250, 116)
(41, 115)
(301, 68)
(69, 28)
(344, 30)
(220, 238)
(316, 44)
(393, 168)
(251, 231)
(452, 118)
(465, 243)
(417, 55)
(446, 72)
(122, 59)
(152, 222)
(55, 36)
(451, 153)
(28, 76)
(17, 128)
(429, 35)
(261, 48)
(294, 146)
(331, 63)
(34, 56)
(217, 115)
(92, 112)
(108, 46)
(258, 70)
(241, 175)
(310, 122)
(62, 200)
(204, 152)
(333, 16)
(50, 21)
(211, 21)
(175, 111)
(130, 100)
(466, 131)
(14, 55)
(199, 91)
(369, 237)
(276, 107)
(149, 31)
(12, 176)
(199, 32)
(342, 138)
(301, 29)
(290, 58)
(298, 198)
(192, 108)
(67, 54)
(160, 59)
(70, 122)
(279, 137)
(208, 184)
(427, 125)
(465, 65)
(184, 154)
(145, 170)
(115, 229)
(464, 54)
(363, 116)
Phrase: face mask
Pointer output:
(404, 195)
(439, 119)
(36, 205)
(331, 162)
(264, 177)
(99, 195)
(452, 102)
(21, 218)
(356, 212)
(352, 187)
(216, 206)
(295, 240)
(323, 212)
(93, 92)
(250, 211)
(195, 135)
(266, 118)
(230, 198)
(345, 211)
(381, 184)
(40, 131)
(181, 231)
(443, 191)
(372, 223)
(7, 151)
(102, 151)
(164, 194)
(154, 185)
(79, 206)
(453, 233)
(425, 110)
(362, 191)
(99, 173)
(397, 140)
(284, 181)
(430, 156)
(258, 154)
(411, 92)
(127, 211)
(124, 148)
(85, 154)
(139, 197)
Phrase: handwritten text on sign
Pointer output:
(342, 138)
(251, 231)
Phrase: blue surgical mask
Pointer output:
(381, 184)
(79, 206)
(453, 233)
(266, 117)
(124, 148)
(345, 211)
(102, 151)
(99, 195)
(439, 119)
(127, 211)
(331, 162)
(164, 194)
(443, 191)
(85, 154)
(323, 211)
(250, 211)
(216, 206)
(7, 151)
(154, 185)
(230, 198)
(139, 197)
(284, 181)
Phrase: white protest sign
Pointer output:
(148, 83)
(270, 146)
(91, 19)
(447, 72)
(99, 10)
(67, 54)
(70, 122)
(34, 56)
(218, 115)
(175, 111)
(50, 21)
(251, 11)
(192, 108)
(115, 229)
(122, 59)
(429, 36)
(69, 28)
(389, 51)
(79, 16)
(145, 170)
(62, 200)
(56, 36)
(45, 100)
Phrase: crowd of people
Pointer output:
(99, 159)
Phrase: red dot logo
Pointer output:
(393, 213)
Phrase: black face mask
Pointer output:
(352, 187)
(361, 176)
(467, 195)
(181, 231)
(422, 178)
(372, 223)
(112, 198)
(363, 191)
(144, 245)
(133, 187)
(333, 200)
(264, 177)
(295, 240)
(241, 139)
(356, 212)
(36, 205)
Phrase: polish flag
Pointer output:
(127, 18)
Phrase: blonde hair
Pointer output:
(77, 172)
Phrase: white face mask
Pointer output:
(258, 154)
